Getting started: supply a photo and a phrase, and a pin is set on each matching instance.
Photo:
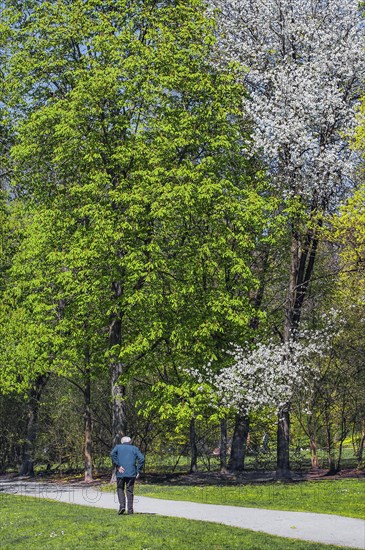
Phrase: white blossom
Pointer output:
(270, 374)
(305, 68)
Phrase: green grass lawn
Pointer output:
(34, 523)
(345, 497)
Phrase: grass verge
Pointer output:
(35, 523)
(345, 497)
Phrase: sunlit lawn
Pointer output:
(345, 497)
(33, 523)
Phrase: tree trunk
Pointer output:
(283, 441)
(27, 466)
(313, 452)
(239, 443)
(361, 448)
(193, 447)
(119, 414)
(361, 452)
(223, 447)
(339, 459)
(330, 449)
(302, 258)
(118, 391)
(344, 433)
(292, 317)
(87, 428)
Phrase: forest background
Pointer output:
(182, 233)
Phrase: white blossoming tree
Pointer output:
(270, 374)
(304, 67)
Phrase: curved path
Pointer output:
(323, 528)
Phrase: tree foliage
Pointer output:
(171, 169)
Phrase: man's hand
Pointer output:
(121, 470)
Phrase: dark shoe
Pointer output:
(121, 511)
(131, 512)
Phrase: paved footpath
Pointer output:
(323, 528)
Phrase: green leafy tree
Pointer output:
(348, 234)
(131, 154)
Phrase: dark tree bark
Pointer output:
(223, 447)
(87, 427)
(119, 413)
(343, 434)
(27, 466)
(88, 444)
(282, 460)
(313, 452)
(330, 444)
(239, 443)
(193, 447)
(361, 448)
(303, 253)
(118, 391)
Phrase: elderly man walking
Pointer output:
(129, 461)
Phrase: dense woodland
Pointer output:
(182, 244)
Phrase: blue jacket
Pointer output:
(128, 456)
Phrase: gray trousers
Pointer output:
(126, 484)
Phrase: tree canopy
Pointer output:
(169, 172)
